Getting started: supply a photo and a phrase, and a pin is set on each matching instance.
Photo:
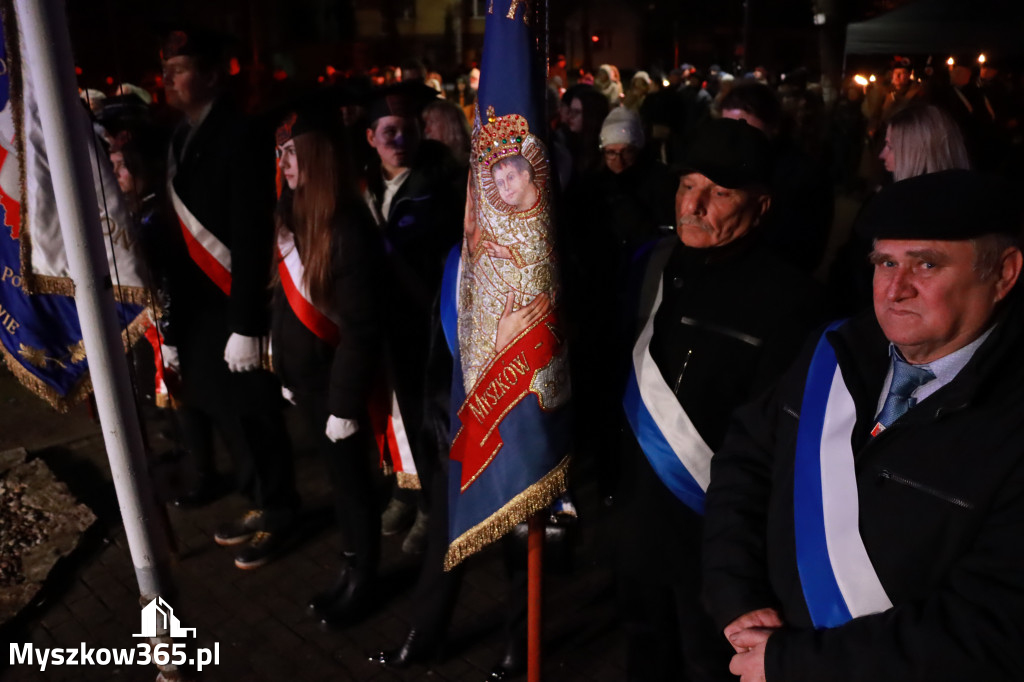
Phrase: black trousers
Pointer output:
(658, 558)
(437, 590)
(260, 449)
(348, 463)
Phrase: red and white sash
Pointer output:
(208, 252)
(289, 267)
(401, 451)
(391, 437)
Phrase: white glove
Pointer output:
(169, 356)
(242, 353)
(287, 395)
(339, 429)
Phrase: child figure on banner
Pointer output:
(509, 262)
(509, 265)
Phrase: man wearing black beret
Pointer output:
(864, 518)
(717, 317)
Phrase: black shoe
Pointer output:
(417, 648)
(243, 530)
(263, 547)
(320, 603)
(350, 596)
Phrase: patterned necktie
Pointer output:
(906, 378)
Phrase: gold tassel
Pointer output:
(62, 403)
(407, 481)
(520, 508)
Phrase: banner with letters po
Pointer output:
(40, 337)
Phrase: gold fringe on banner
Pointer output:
(32, 283)
(62, 403)
(407, 481)
(520, 508)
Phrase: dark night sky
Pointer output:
(120, 38)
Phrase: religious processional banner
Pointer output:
(40, 337)
(510, 390)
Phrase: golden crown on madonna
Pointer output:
(500, 137)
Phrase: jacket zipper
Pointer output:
(679, 379)
(934, 492)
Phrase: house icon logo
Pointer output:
(158, 618)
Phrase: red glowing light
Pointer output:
(78, 70)
(280, 75)
(234, 68)
(110, 80)
(595, 39)
(330, 70)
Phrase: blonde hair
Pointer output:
(925, 139)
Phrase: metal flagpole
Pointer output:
(535, 562)
(66, 134)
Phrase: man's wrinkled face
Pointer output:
(928, 297)
(709, 215)
(395, 139)
(188, 88)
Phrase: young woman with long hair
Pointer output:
(326, 336)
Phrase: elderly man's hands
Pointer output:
(749, 635)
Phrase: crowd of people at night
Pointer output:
(695, 212)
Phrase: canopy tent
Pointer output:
(942, 26)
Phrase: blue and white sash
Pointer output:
(838, 580)
(666, 435)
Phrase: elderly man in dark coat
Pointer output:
(864, 518)
(717, 319)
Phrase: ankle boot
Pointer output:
(321, 602)
(353, 597)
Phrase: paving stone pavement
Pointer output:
(257, 617)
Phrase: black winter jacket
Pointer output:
(308, 365)
(941, 499)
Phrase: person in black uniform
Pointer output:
(326, 334)
(416, 191)
(221, 185)
(718, 317)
